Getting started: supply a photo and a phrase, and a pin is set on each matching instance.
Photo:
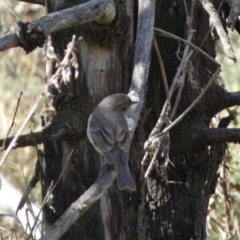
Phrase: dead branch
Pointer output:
(177, 120)
(13, 142)
(145, 26)
(100, 11)
(170, 35)
(11, 10)
(12, 124)
(80, 206)
(34, 180)
(47, 197)
(155, 140)
(23, 140)
(233, 99)
(181, 69)
(218, 135)
(164, 77)
(208, 6)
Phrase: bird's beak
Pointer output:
(134, 102)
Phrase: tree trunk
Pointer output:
(172, 202)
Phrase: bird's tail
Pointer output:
(124, 176)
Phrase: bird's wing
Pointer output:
(103, 139)
(123, 140)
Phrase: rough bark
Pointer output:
(172, 203)
(104, 56)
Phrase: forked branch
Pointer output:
(100, 11)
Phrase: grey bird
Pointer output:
(108, 132)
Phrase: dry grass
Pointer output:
(19, 72)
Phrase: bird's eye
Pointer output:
(124, 109)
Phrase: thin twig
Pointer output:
(186, 9)
(82, 204)
(170, 35)
(11, 145)
(50, 190)
(208, 6)
(12, 11)
(154, 141)
(152, 162)
(177, 120)
(191, 16)
(165, 82)
(161, 119)
(179, 94)
(100, 11)
(144, 158)
(13, 121)
(208, 32)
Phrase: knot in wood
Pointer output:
(30, 38)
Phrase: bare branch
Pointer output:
(11, 10)
(164, 77)
(181, 69)
(170, 35)
(13, 142)
(217, 135)
(155, 140)
(12, 124)
(208, 6)
(49, 192)
(233, 99)
(23, 140)
(84, 203)
(177, 120)
(100, 11)
(152, 162)
(146, 13)
(40, 2)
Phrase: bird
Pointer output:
(108, 132)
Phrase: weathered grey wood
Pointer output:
(9, 40)
(145, 27)
(100, 11)
(23, 140)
